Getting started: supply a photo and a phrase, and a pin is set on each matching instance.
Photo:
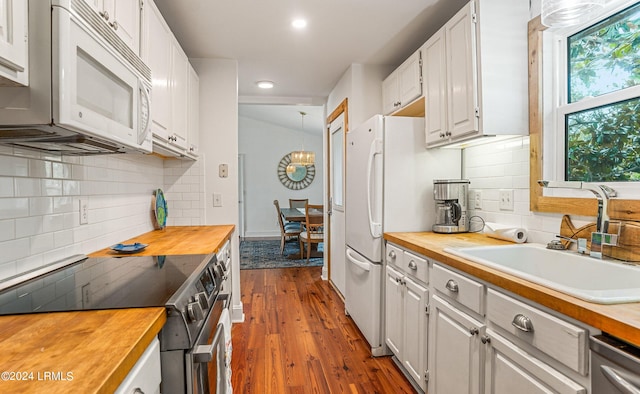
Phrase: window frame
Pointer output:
(623, 209)
(560, 105)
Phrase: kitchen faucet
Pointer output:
(603, 193)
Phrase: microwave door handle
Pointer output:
(143, 136)
(375, 228)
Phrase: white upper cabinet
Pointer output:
(179, 95)
(475, 68)
(175, 97)
(403, 85)
(14, 51)
(123, 16)
(193, 104)
(156, 53)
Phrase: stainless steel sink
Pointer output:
(598, 281)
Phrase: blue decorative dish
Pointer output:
(129, 248)
(160, 209)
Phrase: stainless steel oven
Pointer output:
(192, 341)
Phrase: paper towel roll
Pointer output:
(505, 232)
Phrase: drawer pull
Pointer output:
(392, 255)
(474, 331)
(452, 286)
(413, 265)
(522, 323)
(485, 339)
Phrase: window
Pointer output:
(599, 111)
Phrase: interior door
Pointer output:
(337, 269)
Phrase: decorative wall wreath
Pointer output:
(300, 179)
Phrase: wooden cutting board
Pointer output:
(628, 248)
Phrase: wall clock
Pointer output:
(300, 179)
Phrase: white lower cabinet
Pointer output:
(510, 369)
(455, 350)
(407, 320)
(145, 376)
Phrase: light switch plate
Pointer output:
(506, 200)
(217, 199)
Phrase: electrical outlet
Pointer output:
(477, 199)
(84, 211)
(217, 199)
(506, 200)
(223, 170)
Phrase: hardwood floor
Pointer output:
(296, 338)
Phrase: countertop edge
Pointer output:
(123, 369)
(608, 318)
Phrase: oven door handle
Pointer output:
(204, 353)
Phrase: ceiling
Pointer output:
(306, 64)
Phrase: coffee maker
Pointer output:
(451, 205)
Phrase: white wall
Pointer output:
(362, 85)
(219, 145)
(263, 146)
(39, 204)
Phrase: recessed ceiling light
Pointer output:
(265, 84)
(299, 23)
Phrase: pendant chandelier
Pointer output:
(302, 157)
(564, 13)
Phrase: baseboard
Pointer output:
(237, 313)
(261, 238)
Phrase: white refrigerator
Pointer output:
(389, 187)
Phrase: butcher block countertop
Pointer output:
(621, 320)
(177, 240)
(92, 351)
(74, 352)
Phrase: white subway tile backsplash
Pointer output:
(6, 187)
(11, 208)
(39, 169)
(14, 250)
(39, 202)
(13, 166)
(7, 230)
(51, 187)
(61, 170)
(26, 227)
(27, 187)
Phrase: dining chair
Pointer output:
(314, 228)
(288, 230)
(298, 203)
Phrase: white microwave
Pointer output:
(88, 92)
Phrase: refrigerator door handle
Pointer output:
(360, 264)
(375, 228)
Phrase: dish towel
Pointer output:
(225, 320)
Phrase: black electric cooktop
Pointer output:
(102, 283)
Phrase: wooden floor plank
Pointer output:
(296, 338)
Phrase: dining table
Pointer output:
(298, 215)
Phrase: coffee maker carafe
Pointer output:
(451, 205)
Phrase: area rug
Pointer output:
(266, 254)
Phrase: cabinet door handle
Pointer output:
(441, 135)
(104, 14)
(452, 286)
(485, 339)
(413, 265)
(473, 331)
(522, 323)
(448, 134)
(138, 390)
(114, 24)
